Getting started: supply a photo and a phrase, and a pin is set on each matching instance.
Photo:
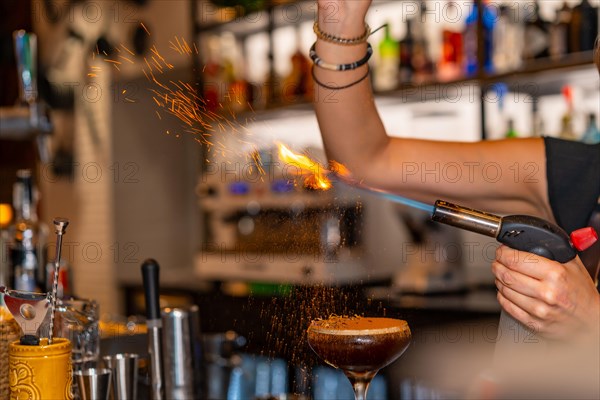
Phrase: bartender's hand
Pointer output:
(343, 18)
(559, 301)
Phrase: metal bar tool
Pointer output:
(60, 227)
(150, 270)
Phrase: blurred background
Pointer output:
(153, 126)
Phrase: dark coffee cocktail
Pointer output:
(358, 344)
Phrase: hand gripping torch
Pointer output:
(520, 232)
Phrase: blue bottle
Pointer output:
(592, 134)
(470, 40)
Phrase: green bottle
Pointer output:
(386, 69)
(511, 133)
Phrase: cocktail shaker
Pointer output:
(182, 352)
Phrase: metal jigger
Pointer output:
(60, 227)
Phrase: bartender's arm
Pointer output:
(559, 299)
(500, 176)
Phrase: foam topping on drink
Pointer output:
(356, 325)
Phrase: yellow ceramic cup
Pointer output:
(41, 372)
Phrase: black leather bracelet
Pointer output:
(339, 67)
(338, 87)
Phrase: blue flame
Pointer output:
(402, 200)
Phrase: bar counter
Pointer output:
(453, 333)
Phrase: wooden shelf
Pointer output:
(532, 72)
(574, 60)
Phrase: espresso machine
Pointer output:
(261, 223)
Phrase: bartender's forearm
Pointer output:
(347, 117)
(503, 177)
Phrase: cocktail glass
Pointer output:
(78, 321)
(359, 346)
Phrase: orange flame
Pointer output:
(340, 169)
(316, 175)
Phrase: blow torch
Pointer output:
(519, 232)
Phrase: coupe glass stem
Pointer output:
(360, 387)
(360, 383)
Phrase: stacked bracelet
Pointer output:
(326, 86)
(339, 67)
(343, 41)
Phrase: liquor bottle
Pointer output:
(537, 122)
(560, 32)
(211, 76)
(566, 130)
(537, 40)
(591, 134)
(501, 90)
(64, 289)
(508, 41)
(421, 59)
(28, 238)
(235, 97)
(450, 62)
(584, 27)
(511, 133)
(471, 39)
(406, 51)
(297, 86)
(6, 216)
(271, 89)
(386, 69)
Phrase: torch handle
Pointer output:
(537, 236)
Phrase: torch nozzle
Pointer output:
(466, 218)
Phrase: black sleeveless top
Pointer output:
(573, 174)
